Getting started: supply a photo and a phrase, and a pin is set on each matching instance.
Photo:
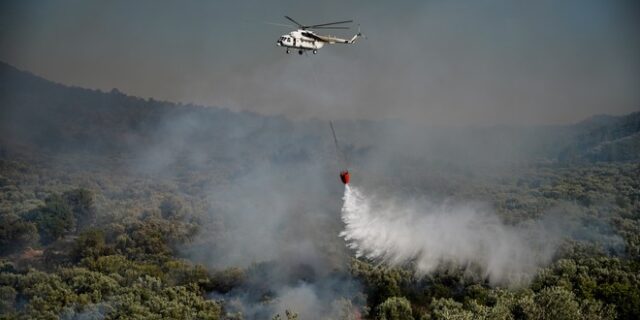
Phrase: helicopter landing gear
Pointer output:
(315, 51)
(300, 52)
(287, 51)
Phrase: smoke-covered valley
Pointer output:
(256, 199)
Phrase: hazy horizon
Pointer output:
(450, 63)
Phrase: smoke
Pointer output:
(440, 236)
(310, 302)
(334, 296)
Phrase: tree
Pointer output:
(395, 308)
(557, 303)
(54, 219)
(7, 299)
(381, 282)
(16, 234)
(448, 309)
(172, 208)
(90, 244)
(82, 205)
(227, 279)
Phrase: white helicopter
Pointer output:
(303, 39)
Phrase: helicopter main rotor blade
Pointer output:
(330, 23)
(296, 22)
(329, 28)
(280, 24)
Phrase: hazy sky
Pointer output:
(439, 62)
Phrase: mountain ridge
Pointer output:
(56, 117)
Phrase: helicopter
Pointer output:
(304, 39)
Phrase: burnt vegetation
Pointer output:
(104, 197)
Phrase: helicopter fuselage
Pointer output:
(300, 40)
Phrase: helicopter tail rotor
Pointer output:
(356, 36)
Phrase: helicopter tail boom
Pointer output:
(334, 40)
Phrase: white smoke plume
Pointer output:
(435, 237)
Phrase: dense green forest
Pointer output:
(119, 207)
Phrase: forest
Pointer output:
(118, 207)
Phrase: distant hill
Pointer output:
(605, 138)
(47, 117)
(58, 117)
(51, 118)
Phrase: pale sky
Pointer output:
(445, 62)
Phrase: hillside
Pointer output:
(605, 138)
(113, 206)
(56, 118)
